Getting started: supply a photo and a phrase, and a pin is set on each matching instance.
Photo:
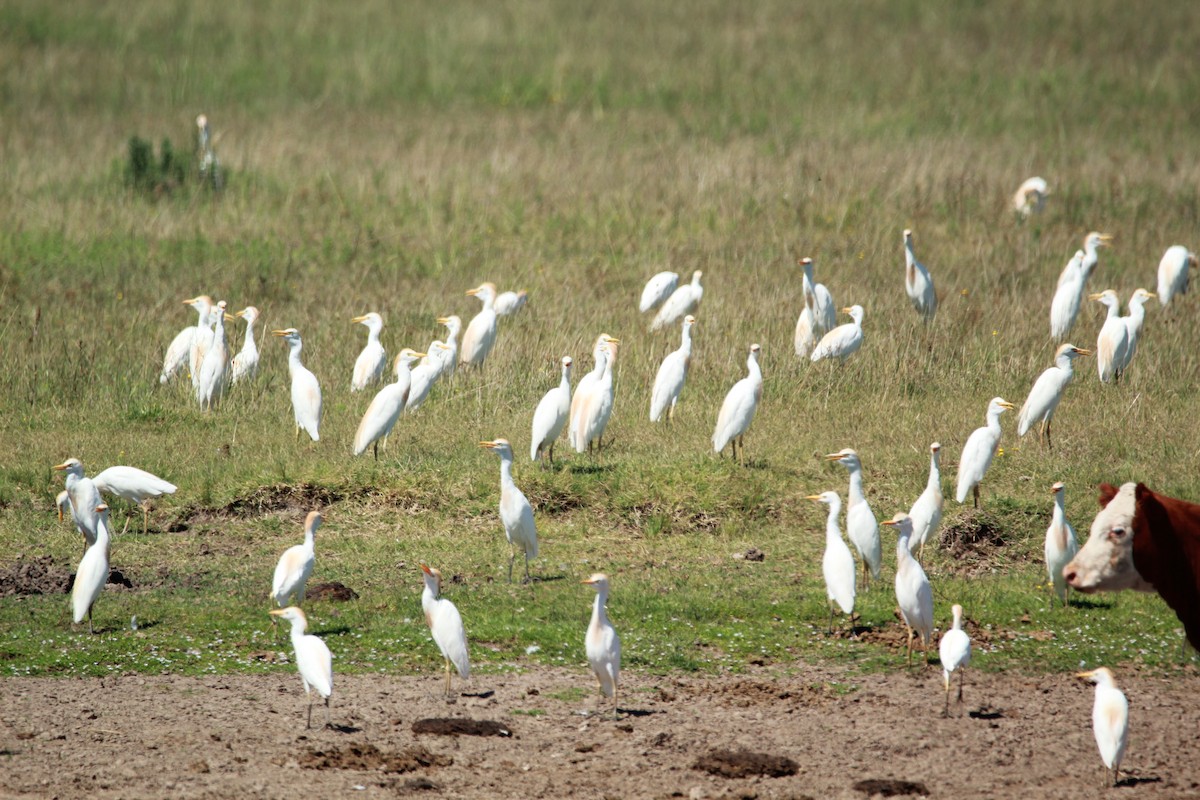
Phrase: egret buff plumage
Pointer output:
(602, 645)
(1110, 721)
(480, 335)
(1112, 344)
(296, 565)
(178, 355)
(918, 283)
(1061, 545)
(245, 364)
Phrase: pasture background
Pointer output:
(388, 157)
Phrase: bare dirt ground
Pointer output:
(244, 736)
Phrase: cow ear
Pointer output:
(1107, 493)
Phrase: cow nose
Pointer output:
(1070, 576)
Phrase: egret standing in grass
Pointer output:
(672, 373)
(1133, 325)
(837, 564)
(446, 625)
(369, 366)
(1110, 721)
(1091, 252)
(84, 497)
(913, 592)
(1113, 342)
(1068, 296)
(683, 301)
(424, 375)
(1173, 273)
(178, 355)
(214, 368)
(1048, 391)
(1061, 546)
(737, 411)
(584, 390)
(313, 660)
(979, 451)
(306, 392)
(926, 513)
(386, 406)
(508, 303)
(296, 565)
(92, 573)
(550, 416)
(657, 290)
(917, 282)
(245, 364)
(135, 485)
(843, 341)
(955, 653)
(597, 407)
(201, 341)
(817, 316)
(861, 526)
(481, 330)
(454, 327)
(1030, 197)
(515, 512)
(602, 644)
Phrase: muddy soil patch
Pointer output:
(744, 764)
(367, 756)
(458, 726)
(38, 575)
(333, 591)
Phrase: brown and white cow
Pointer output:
(1147, 542)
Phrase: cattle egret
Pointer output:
(978, 453)
(313, 659)
(861, 526)
(200, 343)
(844, 340)
(245, 363)
(306, 392)
(84, 497)
(1133, 325)
(602, 644)
(481, 331)
(683, 301)
(135, 485)
(63, 503)
(917, 282)
(1173, 273)
(454, 326)
(550, 416)
(955, 653)
(1064, 308)
(446, 625)
(1110, 721)
(589, 418)
(210, 169)
(1113, 342)
(657, 290)
(515, 512)
(423, 375)
(837, 564)
(296, 565)
(913, 592)
(386, 406)
(92, 573)
(672, 373)
(824, 310)
(1091, 253)
(1047, 391)
(584, 389)
(1031, 197)
(178, 353)
(1060, 543)
(510, 302)
(737, 410)
(369, 366)
(214, 368)
(926, 513)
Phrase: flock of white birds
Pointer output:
(202, 352)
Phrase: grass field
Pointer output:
(388, 157)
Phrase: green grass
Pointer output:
(388, 158)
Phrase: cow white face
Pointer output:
(1105, 562)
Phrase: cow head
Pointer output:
(1105, 562)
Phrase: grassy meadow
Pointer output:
(388, 157)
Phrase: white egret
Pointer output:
(200, 343)
(1048, 391)
(844, 340)
(214, 368)
(446, 625)
(63, 503)
(313, 659)
(1133, 325)
(515, 512)
(135, 485)
(979, 451)
(245, 364)
(584, 389)
(657, 290)
(861, 526)
(1113, 342)
(591, 415)
(1061, 545)
(454, 326)
(913, 592)
(738, 409)
(386, 406)
(481, 331)
(306, 391)
(672, 373)
(805, 337)
(296, 565)
(1064, 308)
(1110, 721)
(1071, 269)
(1030, 197)
(92, 572)
(510, 302)
(1173, 273)
(837, 564)
(955, 653)
(683, 301)
(602, 644)
(1091, 253)
(917, 282)
(84, 497)
(179, 351)
(369, 366)
(550, 416)
(824, 309)
(926, 512)
(424, 375)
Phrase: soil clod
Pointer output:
(744, 763)
(889, 787)
(456, 726)
(333, 591)
(370, 757)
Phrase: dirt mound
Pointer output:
(334, 591)
(975, 543)
(887, 787)
(456, 726)
(743, 763)
(36, 576)
(369, 757)
(303, 497)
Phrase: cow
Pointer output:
(1147, 542)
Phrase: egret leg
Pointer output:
(512, 556)
(527, 578)
(909, 643)
(946, 708)
(616, 710)
(375, 449)
(447, 678)
(297, 433)
(550, 453)
(962, 676)
(1049, 444)
(126, 526)
(90, 631)
(830, 618)
(975, 493)
(145, 520)
(308, 723)
(328, 721)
